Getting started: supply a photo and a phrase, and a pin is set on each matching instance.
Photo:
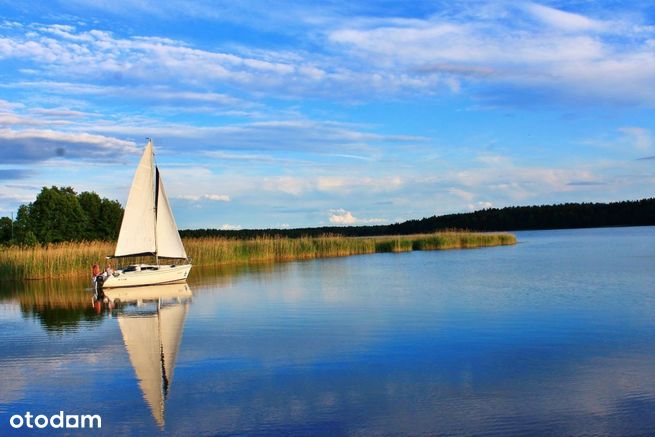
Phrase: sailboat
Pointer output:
(152, 332)
(148, 229)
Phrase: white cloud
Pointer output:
(297, 134)
(567, 55)
(562, 19)
(534, 46)
(63, 50)
(503, 181)
(211, 197)
(6, 105)
(217, 197)
(342, 217)
(480, 205)
(229, 227)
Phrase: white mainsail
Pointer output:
(148, 225)
(169, 244)
(137, 234)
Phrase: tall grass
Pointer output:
(71, 259)
(52, 260)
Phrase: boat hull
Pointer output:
(167, 292)
(147, 275)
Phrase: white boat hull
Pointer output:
(147, 275)
(164, 292)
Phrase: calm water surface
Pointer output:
(555, 335)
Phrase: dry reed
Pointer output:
(74, 259)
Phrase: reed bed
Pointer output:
(74, 259)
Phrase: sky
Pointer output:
(291, 114)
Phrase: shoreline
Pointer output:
(72, 259)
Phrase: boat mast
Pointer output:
(156, 201)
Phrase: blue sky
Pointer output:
(290, 114)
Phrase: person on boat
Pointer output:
(96, 270)
(108, 269)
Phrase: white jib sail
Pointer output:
(137, 233)
(169, 244)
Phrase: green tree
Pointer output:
(56, 215)
(91, 205)
(111, 217)
(29, 239)
(104, 216)
(6, 230)
(22, 225)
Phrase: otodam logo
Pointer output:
(55, 421)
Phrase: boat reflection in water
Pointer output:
(151, 320)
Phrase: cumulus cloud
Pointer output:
(342, 217)
(229, 227)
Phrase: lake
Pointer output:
(555, 335)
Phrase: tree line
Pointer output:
(60, 214)
(513, 218)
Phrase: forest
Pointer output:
(60, 214)
(513, 218)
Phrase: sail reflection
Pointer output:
(151, 321)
